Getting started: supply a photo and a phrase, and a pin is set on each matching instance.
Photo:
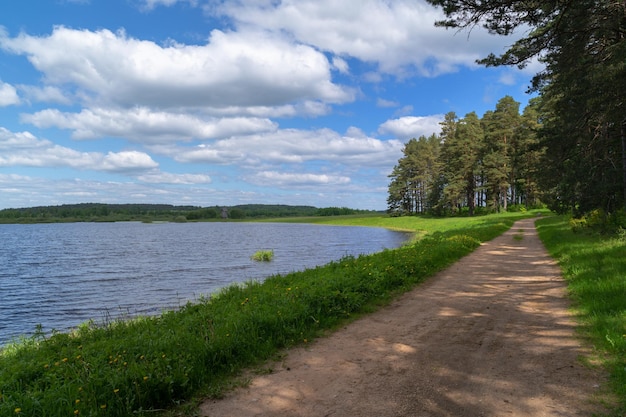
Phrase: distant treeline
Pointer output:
(162, 212)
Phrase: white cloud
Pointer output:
(151, 4)
(170, 178)
(246, 68)
(284, 179)
(8, 95)
(508, 78)
(399, 36)
(292, 146)
(127, 160)
(46, 94)
(381, 102)
(411, 126)
(24, 149)
(341, 65)
(140, 124)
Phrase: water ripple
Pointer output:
(61, 275)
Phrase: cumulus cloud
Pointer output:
(412, 126)
(399, 36)
(126, 160)
(8, 95)
(170, 178)
(285, 179)
(293, 146)
(46, 94)
(246, 68)
(140, 124)
(341, 65)
(24, 149)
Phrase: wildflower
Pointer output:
(77, 401)
(103, 406)
(145, 378)
(116, 390)
(142, 357)
(18, 410)
(46, 366)
(64, 359)
(163, 356)
(76, 412)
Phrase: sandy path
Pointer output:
(490, 336)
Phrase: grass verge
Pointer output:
(594, 267)
(139, 366)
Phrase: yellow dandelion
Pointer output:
(64, 359)
(116, 390)
(103, 406)
(145, 378)
(77, 401)
(76, 412)
(18, 410)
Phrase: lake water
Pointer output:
(61, 275)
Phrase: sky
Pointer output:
(227, 102)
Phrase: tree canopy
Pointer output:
(472, 165)
(582, 89)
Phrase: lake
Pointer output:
(61, 275)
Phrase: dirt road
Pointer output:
(490, 336)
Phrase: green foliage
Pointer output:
(582, 88)
(599, 221)
(415, 177)
(135, 367)
(474, 166)
(263, 255)
(160, 212)
(594, 266)
(338, 211)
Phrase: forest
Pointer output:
(473, 166)
(161, 212)
(567, 149)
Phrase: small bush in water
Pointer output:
(263, 255)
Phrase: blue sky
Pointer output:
(209, 102)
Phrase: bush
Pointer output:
(263, 255)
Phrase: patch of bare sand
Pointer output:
(490, 336)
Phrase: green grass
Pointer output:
(594, 266)
(263, 255)
(153, 363)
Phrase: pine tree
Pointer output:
(583, 46)
(501, 128)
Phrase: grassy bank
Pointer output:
(594, 266)
(136, 367)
